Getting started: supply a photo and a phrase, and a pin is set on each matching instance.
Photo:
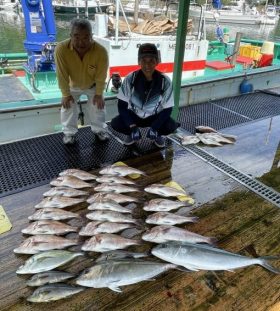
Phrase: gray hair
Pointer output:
(81, 24)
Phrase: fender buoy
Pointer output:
(245, 87)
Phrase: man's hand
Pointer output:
(67, 101)
(152, 134)
(98, 101)
(135, 134)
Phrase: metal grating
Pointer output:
(256, 186)
(30, 163)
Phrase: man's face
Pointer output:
(81, 40)
(148, 64)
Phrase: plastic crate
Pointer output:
(251, 51)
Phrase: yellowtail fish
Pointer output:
(105, 242)
(106, 204)
(165, 233)
(83, 175)
(59, 202)
(70, 181)
(46, 261)
(65, 192)
(39, 243)
(93, 228)
(164, 191)
(119, 198)
(111, 216)
(48, 227)
(166, 218)
(116, 188)
(115, 180)
(205, 257)
(163, 205)
(120, 170)
(52, 213)
(54, 292)
(48, 277)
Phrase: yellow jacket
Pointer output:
(73, 72)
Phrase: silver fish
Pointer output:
(120, 170)
(165, 218)
(163, 205)
(52, 213)
(48, 277)
(65, 192)
(115, 180)
(116, 188)
(59, 202)
(119, 254)
(83, 175)
(210, 141)
(106, 204)
(93, 228)
(164, 191)
(164, 233)
(48, 227)
(204, 257)
(105, 242)
(46, 261)
(119, 198)
(38, 243)
(217, 137)
(189, 140)
(111, 216)
(113, 274)
(53, 292)
(70, 181)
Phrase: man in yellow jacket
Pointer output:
(81, 66)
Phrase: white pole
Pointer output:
(117, 22)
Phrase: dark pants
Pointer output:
(168, 127)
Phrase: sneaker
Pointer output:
(159, 142)
(68, 140)
(102, 136)
(128, 141)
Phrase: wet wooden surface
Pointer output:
(241, 221)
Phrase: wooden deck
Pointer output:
(240, 220)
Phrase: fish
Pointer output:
(95, 227)
(59, 202)
(54, 292)
(217, 137)
(166, 218)
(205, 129)
(48, 227)
(49, 277)
(83, 175)
(189, 140)
(46, 261)
(119, 198)
(120, 170)
(70, 181)
(52, 213)
(111, 205)
(197, 257)
(105, 242)
(113, 274)
(111, 216)
(116, 188)
(165, 233)
(65, 192)
(38, 243)
(163, 205)
(115, 180)
(208, 140)
(163, 190)
(120, 254)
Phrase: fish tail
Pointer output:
(212, 241)
(266, 265)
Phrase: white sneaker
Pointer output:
(68, 140)
(102, 136)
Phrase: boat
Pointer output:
(270, 16)
(79, 6)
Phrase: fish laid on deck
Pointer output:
(54, 292)
(83, 175)
(116, 188)
(163, 205)
(107, 242)
(48, 227)
(120, 170)
(111, 216)
(204, 257)
(120, 254)
(117, 197)
(70, 181)
(46, 261)
(65, 192)
(111, 205)
(113, 273)
(59, 202)
(166, 218)
(165, 233)
(164, 191)
(38, 243)
(93, 227)
(115, 180)
(49, 277)
(52, 213)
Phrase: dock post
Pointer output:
(236, 47)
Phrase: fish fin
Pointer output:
(267, 266)
(115, 288)
(150, 280)
(183, 269)
(212, 241)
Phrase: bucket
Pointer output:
(267, 47)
